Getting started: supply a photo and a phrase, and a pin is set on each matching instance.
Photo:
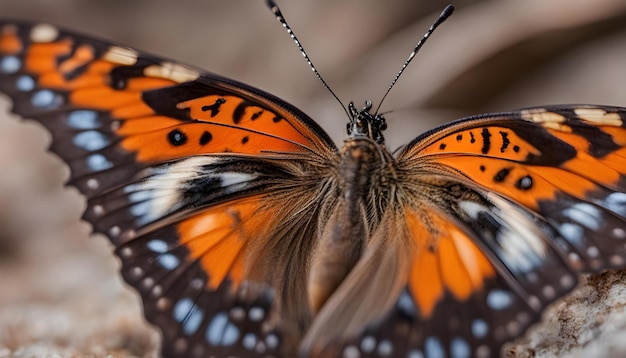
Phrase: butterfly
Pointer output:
(247, 231)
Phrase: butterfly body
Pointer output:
(246, 231)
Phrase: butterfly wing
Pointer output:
(178, 167)
(565, 164)
(494, 218)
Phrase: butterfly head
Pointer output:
(365, 124)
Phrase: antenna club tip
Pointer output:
(447, 11)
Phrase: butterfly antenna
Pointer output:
(444, 15)
(279, 16)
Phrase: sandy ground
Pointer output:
(60, 294)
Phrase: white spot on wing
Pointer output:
(232, 178)
(472, 208)
(141, 211)
(540, 115)
(148, 282)
(162, 187)
(548, 292)
(520, 241)
(44, 33)
(93, 183)
(140, 196)
(172, 71)
(515, 252)
(126, 252)
(121, 55)
(593, 251)
(600, 116)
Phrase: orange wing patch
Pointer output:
(446, 260)
(223, 124)
(9, 42)
(527, 184)
(218, 237)
(233, 110)
(492, 141)
(157, 110)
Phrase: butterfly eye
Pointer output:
(380, 123)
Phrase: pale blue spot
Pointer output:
(181, 309)
(98, 162)
(271, 341)
(141, 210)
(249, 341)
(221, 332)
(256, 314)
(10, 64)
(351, 352)
(44, 98)
(83, 119)
(193, 321)
(459, 348)
(415, 353)
(368, 344)
(168, 261)
(158, 246)
(479, 328)
(433, 348)
(231, 335)
(406, 305)
(584, 214)
(90, 140)
(385, 348)
(499, 299)
(25, 83)
(616, 202)
(572, 233)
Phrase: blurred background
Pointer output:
(59, 288)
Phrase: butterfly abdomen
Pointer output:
(347, 231)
